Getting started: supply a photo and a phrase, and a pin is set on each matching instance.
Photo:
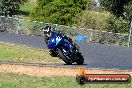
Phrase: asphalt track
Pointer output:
(96, 55)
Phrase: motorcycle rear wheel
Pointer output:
(80, 60)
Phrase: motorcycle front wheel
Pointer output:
(63, 57)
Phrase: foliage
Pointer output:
(128, 10)
(0, 7)
(93, 19)
(58, 11)
(116, 7)
(122, 9)
(117, 25)
(94, 6)
(26, 8)
(11, 7)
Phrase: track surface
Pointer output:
(96, 55)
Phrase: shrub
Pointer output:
(93, 20)
(58, 11)
(117, 25)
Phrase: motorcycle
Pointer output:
(63, 49)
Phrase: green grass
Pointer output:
(9, 80)
(26, 8)
(24, 54)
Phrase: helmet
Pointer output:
(47, 30)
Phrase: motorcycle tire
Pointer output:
(63, 57)
(80, 60)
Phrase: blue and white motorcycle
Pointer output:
(65, 50)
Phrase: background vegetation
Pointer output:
(26, 8)
(58, 11)
(10, 7)
(122, 14)
(110, 15)
(93, 20)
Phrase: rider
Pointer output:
(49, 34)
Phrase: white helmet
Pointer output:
(47, 30)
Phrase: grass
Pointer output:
(25, 81)
(24, 54)
(26, 8)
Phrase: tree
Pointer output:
(11, 7)
(0, 7)
(122, 10)
(92, 5)
(117, 7)
(58, 11)
(128, 10)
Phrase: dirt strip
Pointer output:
(52, 71)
